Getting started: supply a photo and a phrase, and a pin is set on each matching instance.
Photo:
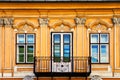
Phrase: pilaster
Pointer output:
(7, 55)
(80, 22)
(2, 44)
(43, 22)
(116, 22)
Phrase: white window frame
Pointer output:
(25, 44)
(99, 45)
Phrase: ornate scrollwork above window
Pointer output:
(25, 26)
(62, 25)
(99, 26)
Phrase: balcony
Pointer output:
(77, 67)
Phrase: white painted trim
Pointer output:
(24, 66)
(16, 67)
(101, 73)
(7, 74)
(23, 74)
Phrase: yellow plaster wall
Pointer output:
(24, 13)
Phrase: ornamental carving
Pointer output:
(62, 25)
(62, 28)
(99, 28)
(8, 21)
(1, 22)
(96, 77)
(80, 21)
(43, 21)
(27, 78)
(99, 25)
(116, 20)
(25, 26)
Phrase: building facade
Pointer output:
(59, 33)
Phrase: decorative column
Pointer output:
(80, 22)
(116, 22)
(1, 44)
(43, 22)
(8, 46)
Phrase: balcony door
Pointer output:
(61, 52)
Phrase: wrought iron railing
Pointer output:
(78, 65)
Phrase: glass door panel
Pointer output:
(66, 47)
(57, 48)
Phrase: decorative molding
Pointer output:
(25, 26)
(116, 20)
(80, 21)
(28, 77)
(23, 73)
(101, 73)
(23, 22)
(7, 74)
(99, 25)
(62, 24)
(96, 77)
(99, 21)
(8, 21)
(43, 21)
(1, 22)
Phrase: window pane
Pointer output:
(66, 55)
(56, 38)
(103, 53)
(30, 38)
(20, 38)
(66, 47)
(57, 53)
(30, 49)
(21, 49)
(57, 47)
(94, 53)
(104, 38)
(66, 38)
(94, 38)
(21, 58)
(57, 56)
(30, 58)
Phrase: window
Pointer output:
(25, 48)
(99, 48)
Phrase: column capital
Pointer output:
(8, 21)
(116, 20)
(1, 22)
(80, 21)
(43, 21)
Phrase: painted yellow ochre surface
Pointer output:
(59, 14)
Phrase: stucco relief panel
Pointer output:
(62, 25)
